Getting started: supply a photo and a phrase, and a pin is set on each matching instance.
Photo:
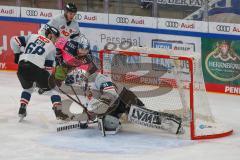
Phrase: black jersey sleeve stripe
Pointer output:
(22, 40)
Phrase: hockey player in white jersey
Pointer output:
(65, 23)
(34, 54)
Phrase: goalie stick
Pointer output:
(75, 94)
(70, 97)
(73, 126)
(68, 127)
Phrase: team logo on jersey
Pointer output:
(43, 39)
(71, 45)
(65, 33)
(223, 63)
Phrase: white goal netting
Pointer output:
(166, 81)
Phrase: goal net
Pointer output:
(166, 81)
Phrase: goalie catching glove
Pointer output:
(102, 105)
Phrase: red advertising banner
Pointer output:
(8, 30)
(223, 88)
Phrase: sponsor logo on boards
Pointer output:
(125, 20)
(7, 11)
(78, 17)
(175, 24)
(31, 12)
(223, 28)
(35, 13)
(223, 63)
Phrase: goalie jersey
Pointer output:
(34, 48)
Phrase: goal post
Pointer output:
(166, 81)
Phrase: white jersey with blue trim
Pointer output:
(38, 49)
(66, 29)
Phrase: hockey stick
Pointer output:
(70, 97)
(72, 126)
(78, 125)
(75, 93)
(99, 119)
(78, 102)
(68, 127)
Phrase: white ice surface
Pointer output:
(36, 138)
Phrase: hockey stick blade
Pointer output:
(72, 126)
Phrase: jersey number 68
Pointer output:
(32, 48)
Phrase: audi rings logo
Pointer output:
(223, 28)
(78, 16)
(171, 24)
(31, 12)
(122, 20)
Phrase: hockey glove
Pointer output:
(61, 73)
(57, 77)
(16, 57)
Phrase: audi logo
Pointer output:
(31, 12)
(223, 28)
(78, 16)
(171, 24)
(122, 20)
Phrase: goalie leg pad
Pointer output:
(129, 98)
(154, 119)
(109, 124)
(125, 100)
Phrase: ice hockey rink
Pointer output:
(36, 138)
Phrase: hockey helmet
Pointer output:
(51, 30)
(83, 45)
(71, 7)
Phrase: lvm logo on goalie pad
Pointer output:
(155, 119)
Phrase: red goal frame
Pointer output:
(191, 88)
